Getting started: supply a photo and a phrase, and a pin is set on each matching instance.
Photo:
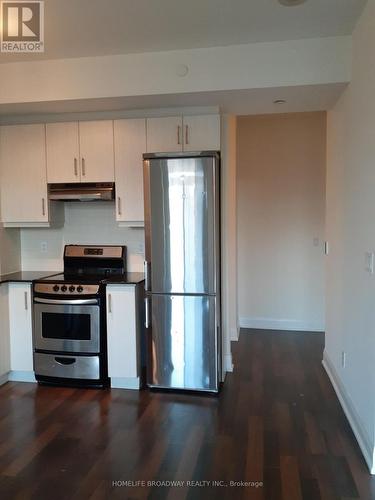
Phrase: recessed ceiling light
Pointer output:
(291, 3)
(280, 101)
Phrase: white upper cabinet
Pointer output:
(190, 133)
(201, 133)
(130, 144)
(96, 151)
(62, 142)
(90, 151)
(164, 134)
(80, 152)
(23, 181)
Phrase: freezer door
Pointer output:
(182, 221)
(183, 343)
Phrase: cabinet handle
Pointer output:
(147, 316)
(43, 206)
(119, 205)
(75, 167)
(110, 303)
(26, 301)
(178, 134)
(83, 167)
(186, 134)
(146, 267)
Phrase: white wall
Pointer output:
(85, 223)
(275, 64)
(281, 205)
(228, 236)
(351, 232)
(10, 250)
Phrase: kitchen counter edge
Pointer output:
(125, 279)
(25, 276)
(31, 276)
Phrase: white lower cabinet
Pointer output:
(20, 328)
(123, 336)
(4, 334)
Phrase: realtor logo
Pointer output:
(22, 26)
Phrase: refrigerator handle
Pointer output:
(147, 276)
(147, 322)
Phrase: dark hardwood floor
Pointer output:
(276, 422)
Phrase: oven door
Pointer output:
(67, 325)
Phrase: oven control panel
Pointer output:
(66, 289)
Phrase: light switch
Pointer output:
(343, 359)
(369, 257)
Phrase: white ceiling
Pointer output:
(76, 28)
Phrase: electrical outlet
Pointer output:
(369, 262)
(43, 246)
(343, 359)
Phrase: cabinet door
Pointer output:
(201, 133)
(164, 134)
(4, 334)
(130, 144)
(23, 173)
(62, 152)
(96, 149)
(20, 323)
(122, 331)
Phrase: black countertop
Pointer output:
(30, 276)
(25, 276)
(125, 279)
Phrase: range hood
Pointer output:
(82, 192)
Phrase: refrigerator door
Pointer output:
(183, 342)
(181, 208)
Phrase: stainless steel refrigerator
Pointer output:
(182, 270)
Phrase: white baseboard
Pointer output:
(227, 363)
(354, 419)
(125, 383)
(281, 324)
(4, 379)
(235, 333)
(21, 376)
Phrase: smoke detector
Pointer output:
(291, 3)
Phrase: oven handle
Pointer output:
(65, 361)
(77, 302)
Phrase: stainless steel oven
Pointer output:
(70, 334)
(67, 325)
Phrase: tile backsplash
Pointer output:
(85, 223)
